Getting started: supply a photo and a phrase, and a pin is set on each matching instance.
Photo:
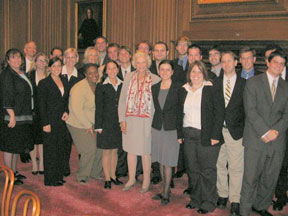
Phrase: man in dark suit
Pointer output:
(229, 92)
(264, 140)
(215, 60)
(113, 51)
(125, 55)
(247, 60)
(101, 45)
(182, 45)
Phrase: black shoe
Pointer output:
(157, 197)
(278, 205)
(67, 174)
(41, 172)
(187, 191)
(107, 185)
(25, 157)
(235, 209)
(202, 211)
(190, 206)
(262, 212)
(222, 202)
(165, 201)
(19, 176)
(116, 181)
(18, 182)
(34, 172)
(155, 180)
(179, 174)
(172, 185)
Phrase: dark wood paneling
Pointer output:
(2, 35)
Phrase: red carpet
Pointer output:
(92, 199)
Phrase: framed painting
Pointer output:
(90, 22)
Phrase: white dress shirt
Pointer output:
(64, 72)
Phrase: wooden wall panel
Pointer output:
(2, 32)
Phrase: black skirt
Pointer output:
(106, 140)
(17, 140)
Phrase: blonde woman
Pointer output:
(135, 116)
(39, 71)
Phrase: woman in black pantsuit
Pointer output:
(202, 137)
(16, 111)
(109, 137)
(53, 95)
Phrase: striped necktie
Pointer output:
(227, 92)
(273, 89)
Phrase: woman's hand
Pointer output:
(65, 116)
(91, 131)
(214, 142)
(47, 128)
(12, 122)
(180, 141)
(123, 126)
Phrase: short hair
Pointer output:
(194, 46)
(56, 48)
(145, 42)
(280, 53)
(10, 53)
(229, 52)
(163, 43)
(166, 61)
(71, 50)
(88, 65)
(201, 67)
(216, 47)
(53, 60)
(272, 47)
(28, 43)
(141, 54)
(246, 49)
(46, 60)
(87, 53)
(183, 39)
(127, 49)
(113, 45)
(102, 37)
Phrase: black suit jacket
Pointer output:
(211, 115)
(234, 115)
(170, 116)
(120, 75)
(178, 75)
(73, 80)
(52, 104)
(15, 93)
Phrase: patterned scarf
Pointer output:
(139, 97)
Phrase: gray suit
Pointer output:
(262, 161)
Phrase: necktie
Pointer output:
(227, 92)
(273, 89)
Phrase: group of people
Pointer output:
(128, 114)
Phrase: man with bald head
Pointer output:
(30, 50)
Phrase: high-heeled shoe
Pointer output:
(19, 176)
(41, 172)
(34, 172)
(126, 188)
(107, 185)
(116, 181)
(165, 201)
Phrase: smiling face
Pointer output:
(101, 45)
(196, 76)
(160, 53)
(141, 64)
(182, 47)
(70, 59)
(15, 61)
(165, 71)
(124, 56)
(41, 62)
(112, 70)
(247, 60)
(92, 74)
(93, 56)
(56, 68)
(113, 53)
(214, 57)
(228, 64)
(144, 47)
(30, 49)
(194, 55)
(276, 66)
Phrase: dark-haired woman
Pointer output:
(39, 71)
(16, 111)
(107, 122)
(166, 127)
(53, 94)
(202, 137)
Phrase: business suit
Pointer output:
(120, 74)
(262, 161)
(232, 152)
(282, 184)
(67, 148)
(52, 105)
(200, 155)
(166, 125)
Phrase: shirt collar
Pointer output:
(232, 79)
(64, 71)
(271, 78)
(107, 81)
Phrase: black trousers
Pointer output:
(201, 169)
(181, 160)
(67, 152)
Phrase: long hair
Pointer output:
(46, 72)
(10, 53)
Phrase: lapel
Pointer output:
(169, 97)
(153, 68)
(235, 91)
(221, 91)
(55, 87)
(156, 95)
(279, 91)
(120, 75)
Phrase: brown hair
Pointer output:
(201, 67)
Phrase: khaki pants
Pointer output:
(231, 152)
(90, 164)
